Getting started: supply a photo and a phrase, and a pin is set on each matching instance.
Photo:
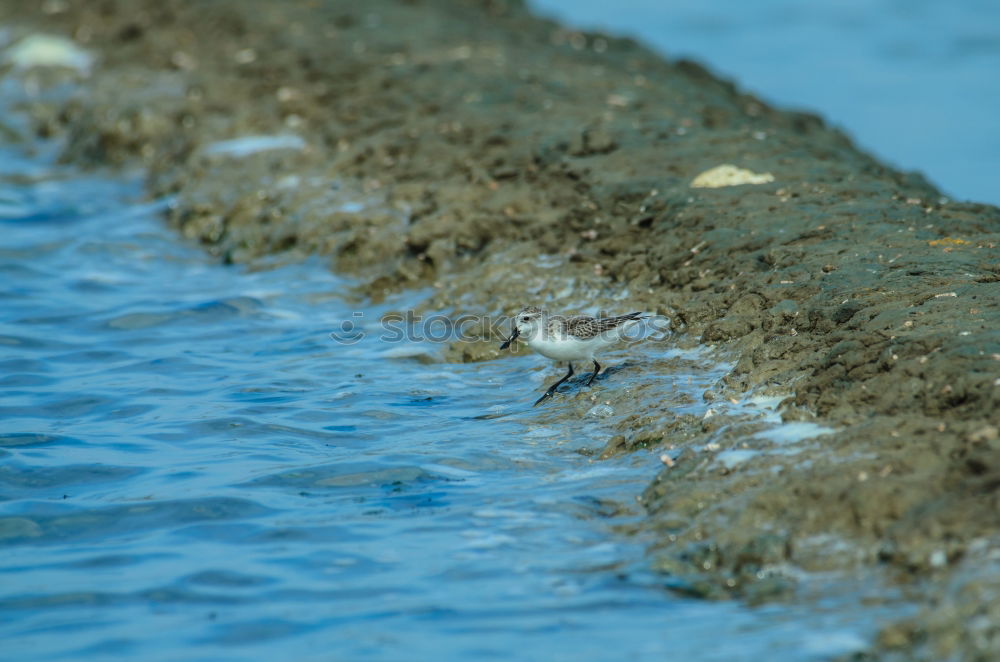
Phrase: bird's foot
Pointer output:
(547, 394)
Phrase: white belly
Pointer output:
(567, 348)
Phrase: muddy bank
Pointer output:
(473, 149)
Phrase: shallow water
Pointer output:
(191, 468)
(913, 81)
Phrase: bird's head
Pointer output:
(526, 324)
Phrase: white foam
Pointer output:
(351, 207)
(600, 411)
(794, 432)
(407, 351)
(834, 644)
(247, 145)
(735, 457)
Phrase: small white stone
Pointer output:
(938, 559)
(729, 175)
(42, 50)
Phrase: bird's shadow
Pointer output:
(579, 380)
(584, 377)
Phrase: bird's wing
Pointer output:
(582, 326)
(586, 327)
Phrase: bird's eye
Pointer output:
(524, 319)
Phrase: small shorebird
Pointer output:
(568, 338)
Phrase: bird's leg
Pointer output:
(597, 369)
(552, 389)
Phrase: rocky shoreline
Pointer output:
(436, 143)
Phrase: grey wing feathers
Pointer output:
(607, 323)
(585, 327)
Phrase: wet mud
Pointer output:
(497, 159)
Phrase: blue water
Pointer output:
(191, 469)
(916, 82)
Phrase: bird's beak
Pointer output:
(506, 343)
